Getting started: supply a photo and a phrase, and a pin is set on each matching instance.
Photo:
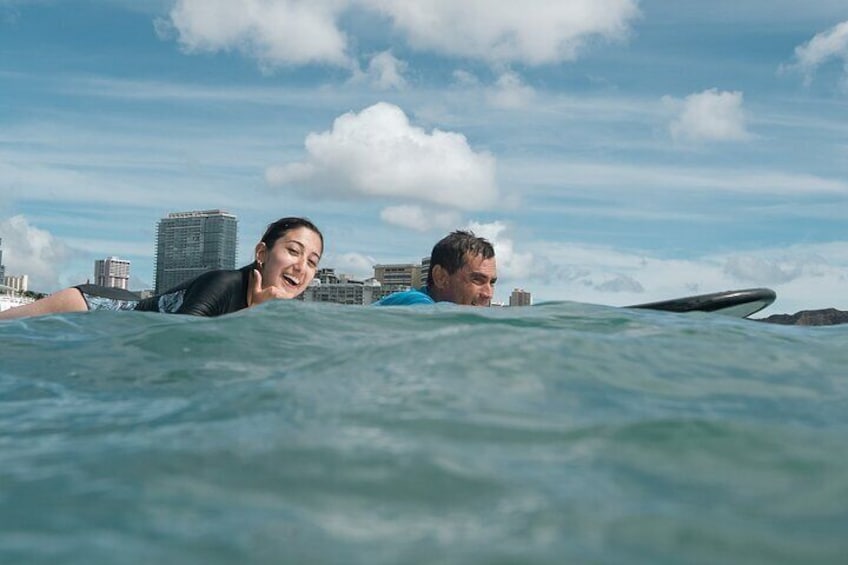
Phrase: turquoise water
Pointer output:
(318, 433)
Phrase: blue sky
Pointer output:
(615, 151)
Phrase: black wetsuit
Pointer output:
(211, 294)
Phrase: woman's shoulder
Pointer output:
(220, 280)
(217, 292)
(219, 275)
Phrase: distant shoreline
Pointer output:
(823, 317)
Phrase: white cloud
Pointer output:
(804, 276)
(465, 79)
(709, 116)
(378, 153)
(620, 283)
(830, 44)
(758, 270)
(9, 13)
(276, 32)
(510, 92)
(302, 32)
(541, 177)
(420, 219)
(511, 264)
(356, 265)
(534, 32)
(385, 71)
(28, 250)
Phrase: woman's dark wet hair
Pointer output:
(452, 250)
(281, 227)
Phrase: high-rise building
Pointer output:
(191, 243)
(112, 272)
(2, 266)
(520, 297)
(425, 269)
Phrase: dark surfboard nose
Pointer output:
(739, 303)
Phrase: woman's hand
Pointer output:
(258, 295)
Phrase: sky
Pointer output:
(614, 151)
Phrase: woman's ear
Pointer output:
(260, 253)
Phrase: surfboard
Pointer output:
(738, 303)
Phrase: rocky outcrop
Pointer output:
(825, 317)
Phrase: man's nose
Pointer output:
(488, 290)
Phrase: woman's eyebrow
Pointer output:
(303, 247)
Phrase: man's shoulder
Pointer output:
(406, 298)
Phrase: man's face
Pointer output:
(471, 285)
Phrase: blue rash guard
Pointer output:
(406, 298)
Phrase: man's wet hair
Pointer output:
(451, 252)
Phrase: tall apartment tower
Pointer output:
(191, 243)
(112, 272)
(519, 297)
(2, 266)
(425, 269)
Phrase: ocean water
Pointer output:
(319, 433)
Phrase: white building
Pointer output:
(18, 283)
(112, 272)
(329, 287)
(10, 298)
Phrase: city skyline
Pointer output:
(115, 272)
(614, 151)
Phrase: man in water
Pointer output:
(462, 270)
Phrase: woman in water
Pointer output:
(285, 261)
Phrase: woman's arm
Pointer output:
(67, 300)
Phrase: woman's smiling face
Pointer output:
(291, 263)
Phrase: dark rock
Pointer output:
(824, 317)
